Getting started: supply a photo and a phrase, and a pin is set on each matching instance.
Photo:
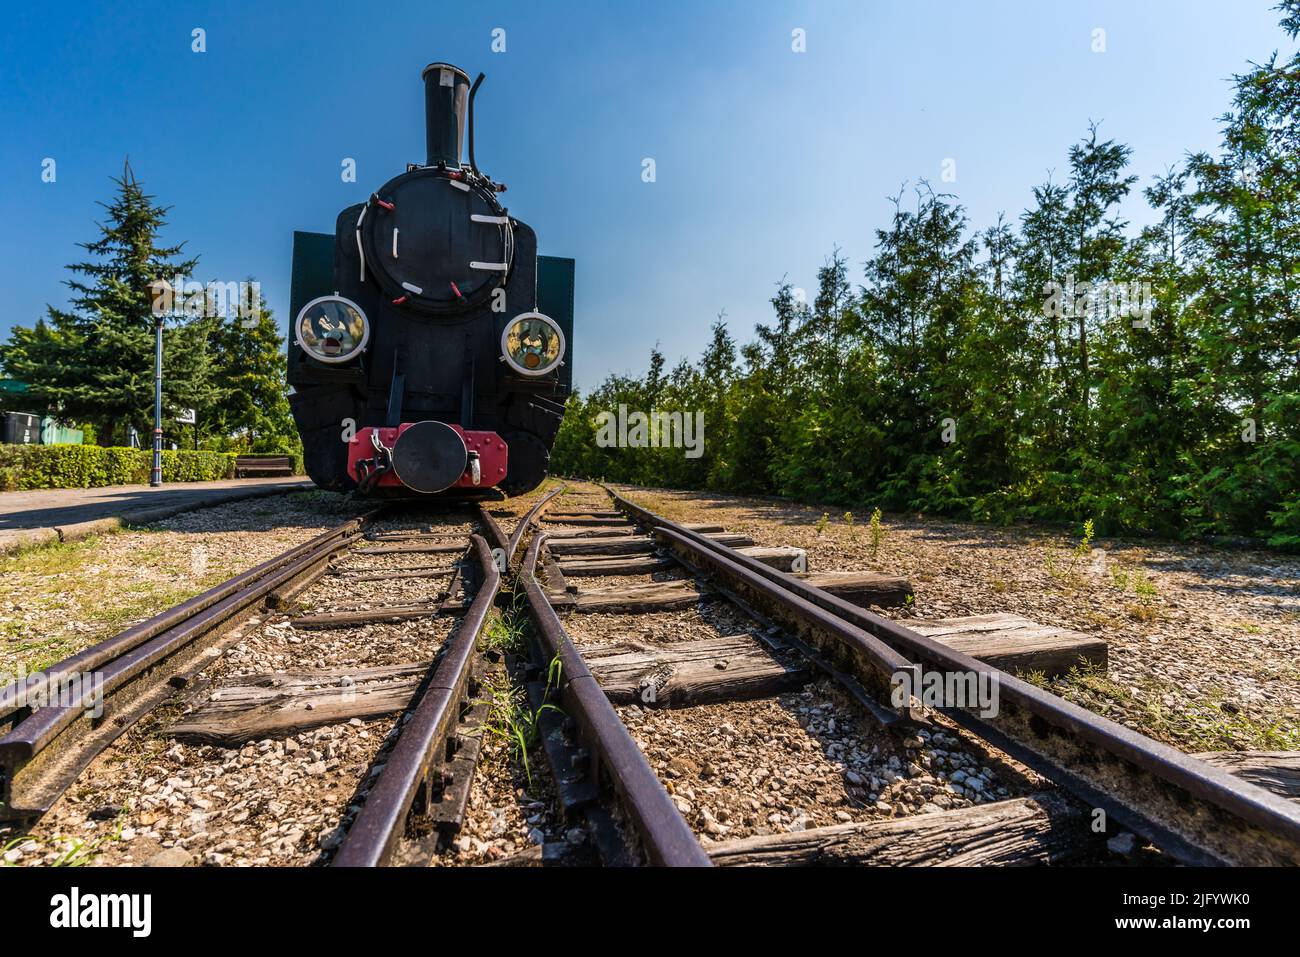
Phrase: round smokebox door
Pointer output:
(429, 456)
(442, 247)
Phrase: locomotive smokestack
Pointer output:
(446, 90)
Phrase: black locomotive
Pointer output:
(431, 346)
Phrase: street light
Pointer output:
(164, 303)
(155, 474)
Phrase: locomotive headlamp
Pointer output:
(533, 344)
(332, 329)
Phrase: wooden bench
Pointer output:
(250, 466)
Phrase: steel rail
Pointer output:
(414, 773)
(87, 660)
(665, 836)
(492, 530)
(517, 536)
(576, 793)
(44, 751)
(1197, 813)
(869, 668)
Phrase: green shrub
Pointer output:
(89, 466)
(56, 466)
(120, 466)
(197, 466)
(9, 467)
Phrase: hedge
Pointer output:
(86, 466)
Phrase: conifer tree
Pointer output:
(94, 362)
(250, 402)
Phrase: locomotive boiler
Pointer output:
(431, 345)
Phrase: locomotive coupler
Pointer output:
(370, 471)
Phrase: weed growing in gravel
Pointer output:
(506, 634)
(71, 580)
(79, 853)
(1143, 586)
(505, 708)
(1212, 723)
(848, 520)
(1123, 577)
(1037, 678)
(1077, 552)
(1083, 548)
(51, 559)
(1143, 611)
(822, 523)
(1049, 561)
(36, 648)
(554, 674)
(877, 534)
(512, 719)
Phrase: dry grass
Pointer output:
(60, 598)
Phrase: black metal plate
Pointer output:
(437, 241)
(429, 456)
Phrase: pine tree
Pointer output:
(1096, 188)
(95, 362)
(1067, 413)
(717, 380)
(1044, 249)
(250, 401)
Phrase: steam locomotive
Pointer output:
(431, 346)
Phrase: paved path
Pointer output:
(45, 515)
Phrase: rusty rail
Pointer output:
(517, 536)
(1195, 812)
(416, 772)
(509, 544)
(491, 530)
(665, 835)
(45, 749)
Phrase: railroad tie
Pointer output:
(1014, 643)
(246, 708)
(1039, 829)
(680, 674)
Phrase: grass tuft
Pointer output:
(1213, 723)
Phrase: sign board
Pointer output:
(186, 417)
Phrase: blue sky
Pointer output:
(765, 158)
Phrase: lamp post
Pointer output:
(164, 304)
(155, 474)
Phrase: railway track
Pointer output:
(325, 707)
(699, 699)
(318, 708)
(749, 726)
(784, 627)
